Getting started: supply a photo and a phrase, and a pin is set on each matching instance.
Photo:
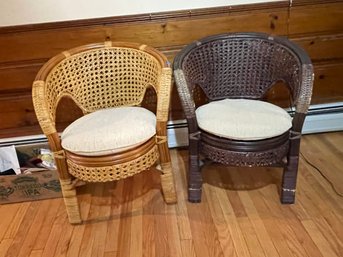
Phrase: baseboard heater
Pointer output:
(320, 118)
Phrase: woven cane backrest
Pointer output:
(241, 67)
(102, 78)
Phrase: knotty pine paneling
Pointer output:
(322, 47)
(328, 83)
(43, 44)
(315, 25)
(316, 18)
(18, 77)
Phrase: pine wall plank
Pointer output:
(316, 25)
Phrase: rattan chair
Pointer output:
(108, 82)
(236, 127)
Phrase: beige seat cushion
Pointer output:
(109, 131)
(242, 119)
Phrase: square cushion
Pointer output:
(109, 131)
(243, 119)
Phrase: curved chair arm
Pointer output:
(47, 123)
(163, 95)
(163, 103)
(302, 90)
(187, 100)
(304, 97)
(44, 116)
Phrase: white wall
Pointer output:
(20, 12)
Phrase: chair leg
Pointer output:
(194, 172)
(194, 180)
(167, 182)
(289, 180)
(70, 200)
(167, 177)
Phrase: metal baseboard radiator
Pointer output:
(320, 118)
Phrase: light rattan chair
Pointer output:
(243, 66)
(110, 76)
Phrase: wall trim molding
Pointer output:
(161, 16)
(149, 17)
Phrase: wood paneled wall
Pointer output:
(316, 25)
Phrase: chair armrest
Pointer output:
(302, 102)
(44, 117)
(164, 95)
(305, 91)
(187, 100)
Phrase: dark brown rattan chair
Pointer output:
(243, 66)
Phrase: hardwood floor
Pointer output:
(240, 214)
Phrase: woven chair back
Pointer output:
(241, 67)
(102, 78)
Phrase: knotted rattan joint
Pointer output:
(77, 182)
(288, 190)
(59, 154)
(195, 135)
(294, 135)
(160, 139)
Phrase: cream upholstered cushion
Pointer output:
(109, 131)
(242, 119)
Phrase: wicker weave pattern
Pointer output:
(255, 64)
(234, 158)
(184, 91)
(243, 65)
(163, 95)
(44, 117)
(115, 172)
(70, 200)
(103, 78)
(305, 93)
(98, 76)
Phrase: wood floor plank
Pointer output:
(90, 240)
(272, 226)
(204, 231)
(180, 166)
(103, 202)
(224, 235)
(251, 238)
(124, 231)
(326, 162)
(76, 240)
(110, 254)
(56, 233)
(282, 215)
(112, 235)
(148, 216)
(261, 232)
(36, 253)
(49, 217)
(239, 243)
(335, 242)
(173, 233)
(319, 239)
(15, 223)
(187, 248)
(4, 246)
(23, 229)
(160, 228)
(29, 242)
(136, 238)
(8, 213)
(240, 214)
